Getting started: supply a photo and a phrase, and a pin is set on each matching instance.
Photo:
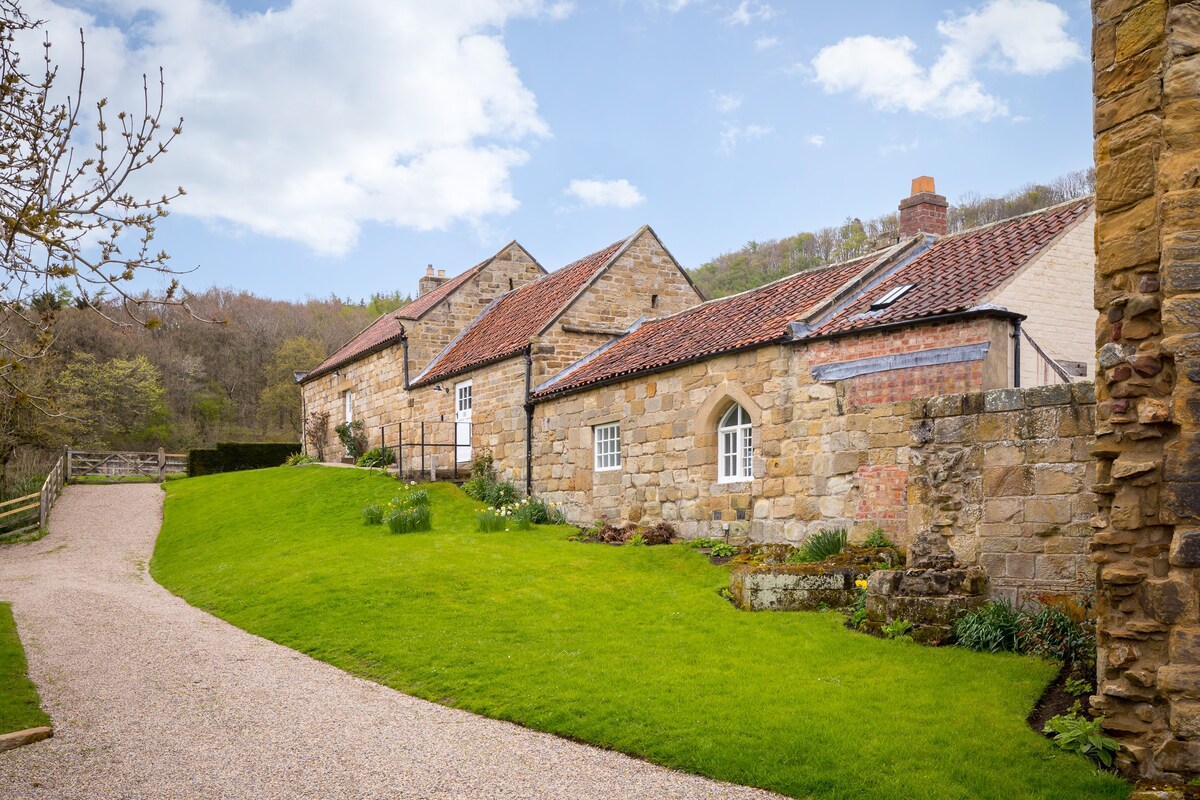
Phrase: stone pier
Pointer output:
(1147, 541)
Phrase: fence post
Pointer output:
(383, 448)
(69, 465)
(421, 466)
(162, 465)
(455, 448)
(399, 449)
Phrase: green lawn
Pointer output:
(20, 707)
(628, 648)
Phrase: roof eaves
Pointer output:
(616, 377)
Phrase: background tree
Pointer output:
(111, 403)
(279, 411)
(70, 226)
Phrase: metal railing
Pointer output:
(425, 448)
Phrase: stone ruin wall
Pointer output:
(1147, 541)
(1004, 476)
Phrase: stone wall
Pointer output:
(644, 282)
(1147, 542)
(819, 461)
(1004, 476)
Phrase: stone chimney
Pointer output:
(430, 282)
(925, 211)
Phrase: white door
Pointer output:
(462, 420)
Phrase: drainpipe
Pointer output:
(1016, 335)
(528, 422)
(404, 347)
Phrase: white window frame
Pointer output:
(606, 449)
(348, 405)
(735, 446)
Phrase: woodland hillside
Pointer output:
(756, 263)
(222, 372)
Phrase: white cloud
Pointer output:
(898, 148)
(308, 121)
(733, 134)
(749, 11)
(1017, 36)
(725, 103)
(601, 193)
(765, 42)
(816, 140)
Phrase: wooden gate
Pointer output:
(155, 466)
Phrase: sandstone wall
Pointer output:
(821, 459)
(510, 269)
(1146, 62)
(1005, 476)
(644, 282)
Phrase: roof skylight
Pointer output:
(891, 296)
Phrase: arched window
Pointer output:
(736, 443)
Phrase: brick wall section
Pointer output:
(1003, 475)
(868, 390)
(1147, 145)
(1055, 293)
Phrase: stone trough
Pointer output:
(766, 584)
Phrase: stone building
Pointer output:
(453, 368)
(766, 414)
(610, 387)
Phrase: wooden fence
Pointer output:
(28, 513)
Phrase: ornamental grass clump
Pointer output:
(991, 629)
(820, 546)
(409, 511)
(373, 514)
(376, 458)
(491, 520)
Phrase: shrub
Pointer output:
(485, 486)
(1077, 687)
(1078, 734)
(858, 612)
(353, 438)
(373, 514)
(702, 542)
(821, 545)
(236, 456)
(722, 550)
(992, 628)
(637, 540)
(491, 520)
(1051, 633)
(376, 457)
(608, 533)
(878, 538)
(299, 460)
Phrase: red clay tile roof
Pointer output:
(729, 323)
(386, 330)
(506, 326)
(959, 272)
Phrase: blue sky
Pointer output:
(338, 148)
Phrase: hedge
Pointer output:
(234, 456)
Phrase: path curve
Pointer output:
(152, 698)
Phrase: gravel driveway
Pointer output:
(152, 698)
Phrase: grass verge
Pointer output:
(20, 706)
(628, 648)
